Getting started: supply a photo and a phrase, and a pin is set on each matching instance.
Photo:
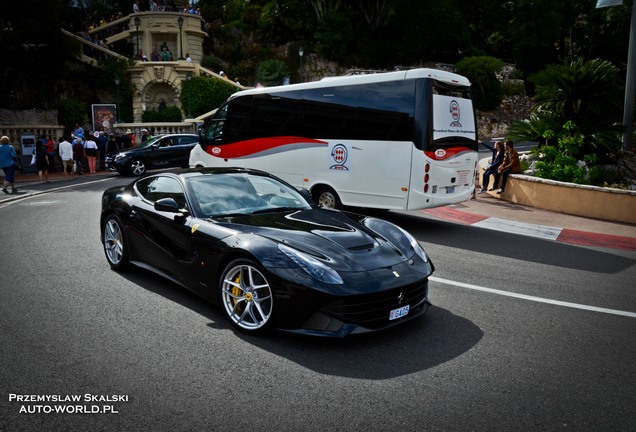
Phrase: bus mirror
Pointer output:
(306, 194)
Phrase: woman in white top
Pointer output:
(90, 147)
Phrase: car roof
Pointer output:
(200, 171)
(174, 134)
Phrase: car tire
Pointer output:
(246, 296)
(326, 197)
(137, 167)
(115, 244)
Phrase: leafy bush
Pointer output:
(212, 62)
(203, 94)
(482, 73)
(271, 72)
(168, 114)
(513, 88)
(561, 161)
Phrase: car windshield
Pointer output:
(233, 194)
(147, 143)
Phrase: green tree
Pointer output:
(70, 112)
(202, 94)
(271, 72)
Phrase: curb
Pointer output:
(562, 235)
(28, 187)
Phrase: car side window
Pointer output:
(156, 188)
(185, 140)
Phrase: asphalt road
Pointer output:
(511, 342)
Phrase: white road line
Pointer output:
(539, 231)
(533, 298)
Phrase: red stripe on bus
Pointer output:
(253, 146)
(449, 153)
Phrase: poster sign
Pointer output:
(453, 117)
(104, 116)
(27, 144)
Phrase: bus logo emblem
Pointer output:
(339, 155)
(216, 150)
(455, 114)
(440, 153)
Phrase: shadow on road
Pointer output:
(419, 344)
(499, 243)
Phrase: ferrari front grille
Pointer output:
(372, 310)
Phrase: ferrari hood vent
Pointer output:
(330, 232)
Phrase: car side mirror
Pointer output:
(167, 205)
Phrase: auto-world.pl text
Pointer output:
(67, 404)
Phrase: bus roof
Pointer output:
(437, 74)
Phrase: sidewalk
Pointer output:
(29, 184)
(485, 211)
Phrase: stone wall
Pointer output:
(27, 117)
(609, 204)
(495, 123)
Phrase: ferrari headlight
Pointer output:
(415, 245)
(312, 266)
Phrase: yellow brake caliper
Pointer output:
(236, 291)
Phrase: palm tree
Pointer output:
(589, 94)
(585, 93)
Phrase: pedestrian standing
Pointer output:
(50, 150)
(66, 154)
(78, 155)
(90, 147)
(78, 130)
(8, 161)
(102, 149)
(144, 135)
(42, 159)
(126, 140)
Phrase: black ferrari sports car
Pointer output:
(265, 253)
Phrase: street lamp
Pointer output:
(137, 24)
(180, 24)
(117, 106)
(189, 78)
(300, 53)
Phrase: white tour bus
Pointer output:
(400, 140)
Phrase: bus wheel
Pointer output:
(327, 197)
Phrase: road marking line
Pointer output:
(531, 230)
(533, 298)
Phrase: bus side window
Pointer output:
(215, 131)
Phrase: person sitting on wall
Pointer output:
(510, 165)
(498, 154)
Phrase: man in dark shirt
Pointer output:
(126, 140)
(78, 155)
